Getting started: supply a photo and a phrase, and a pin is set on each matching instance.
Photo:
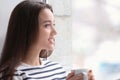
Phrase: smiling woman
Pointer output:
(31, 37)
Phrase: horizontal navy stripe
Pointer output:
(45, 76)
(59, 78)
(38, 67)
(19, 74)
(47, 62)
(59, 68)
(63, 78)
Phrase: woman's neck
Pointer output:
(32, 57)
(30, 60)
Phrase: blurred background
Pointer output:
(96, 36)
(88, 34)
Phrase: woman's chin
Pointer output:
(52, 47)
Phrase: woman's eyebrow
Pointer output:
(49, 21)
(46, 21)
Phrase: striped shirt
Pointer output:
(46, 71)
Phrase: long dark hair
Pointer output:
(21, 33)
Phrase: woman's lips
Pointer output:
(51, 40)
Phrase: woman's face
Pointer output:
(47, 32)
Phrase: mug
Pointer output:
(83, 71)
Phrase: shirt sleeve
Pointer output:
(17, 76)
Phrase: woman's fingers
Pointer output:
(72, 76)
(90, 75)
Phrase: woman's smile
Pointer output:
(51, 40)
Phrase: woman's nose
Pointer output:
(54, 32)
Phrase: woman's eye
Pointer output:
(47, 25)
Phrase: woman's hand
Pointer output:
(90, 75)
(72, 76)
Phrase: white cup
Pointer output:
(83, 71)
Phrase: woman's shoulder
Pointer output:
(47, 68)
(45, 64)
(51, 63)
(18, 75)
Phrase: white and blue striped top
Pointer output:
(46, 71)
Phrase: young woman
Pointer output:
(30, 37)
